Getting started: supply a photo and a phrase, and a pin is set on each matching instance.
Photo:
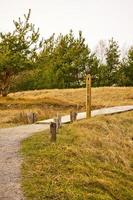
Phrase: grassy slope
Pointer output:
(48, 102)
(92, 159)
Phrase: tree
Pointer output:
(112, 62)
(72, 59)
(18, 51)
(45, 77)
(125, 72)
(65, 60)
(129, 69)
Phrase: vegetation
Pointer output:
(108, 71)
(92, 159)
(65, 61)
(126, 69)
(26, 63)
(17, 51)
(47, 103)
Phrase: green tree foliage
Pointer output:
(129, 68)
(112, 62)
(102, 77)
(66, 60)
(70, 59)
(18, 51)
(125, 73)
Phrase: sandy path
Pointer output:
(10, 160)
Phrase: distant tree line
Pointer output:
(27, 62)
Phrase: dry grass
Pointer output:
(46, 103)
(92, 159)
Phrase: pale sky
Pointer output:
(98, 19)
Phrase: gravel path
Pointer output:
(10, 160)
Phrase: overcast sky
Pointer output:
(98, 19)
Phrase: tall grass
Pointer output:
(47, 103)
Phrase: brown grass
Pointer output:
(47, 103)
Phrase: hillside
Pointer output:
(47, 103)
(92, 160)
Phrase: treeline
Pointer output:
(26, 62)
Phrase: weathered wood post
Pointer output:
(73, 116)
(88, 96)
(59, 121)
(53, 131)
(34, 117)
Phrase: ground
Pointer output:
(92, 159)
(47, 103)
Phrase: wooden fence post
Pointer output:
(53, 131)
(34, 118)
(73, 116)
(59, 121)
(88, 96)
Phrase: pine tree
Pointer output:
(18, 51)
(112, 62)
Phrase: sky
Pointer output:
(98, 19)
